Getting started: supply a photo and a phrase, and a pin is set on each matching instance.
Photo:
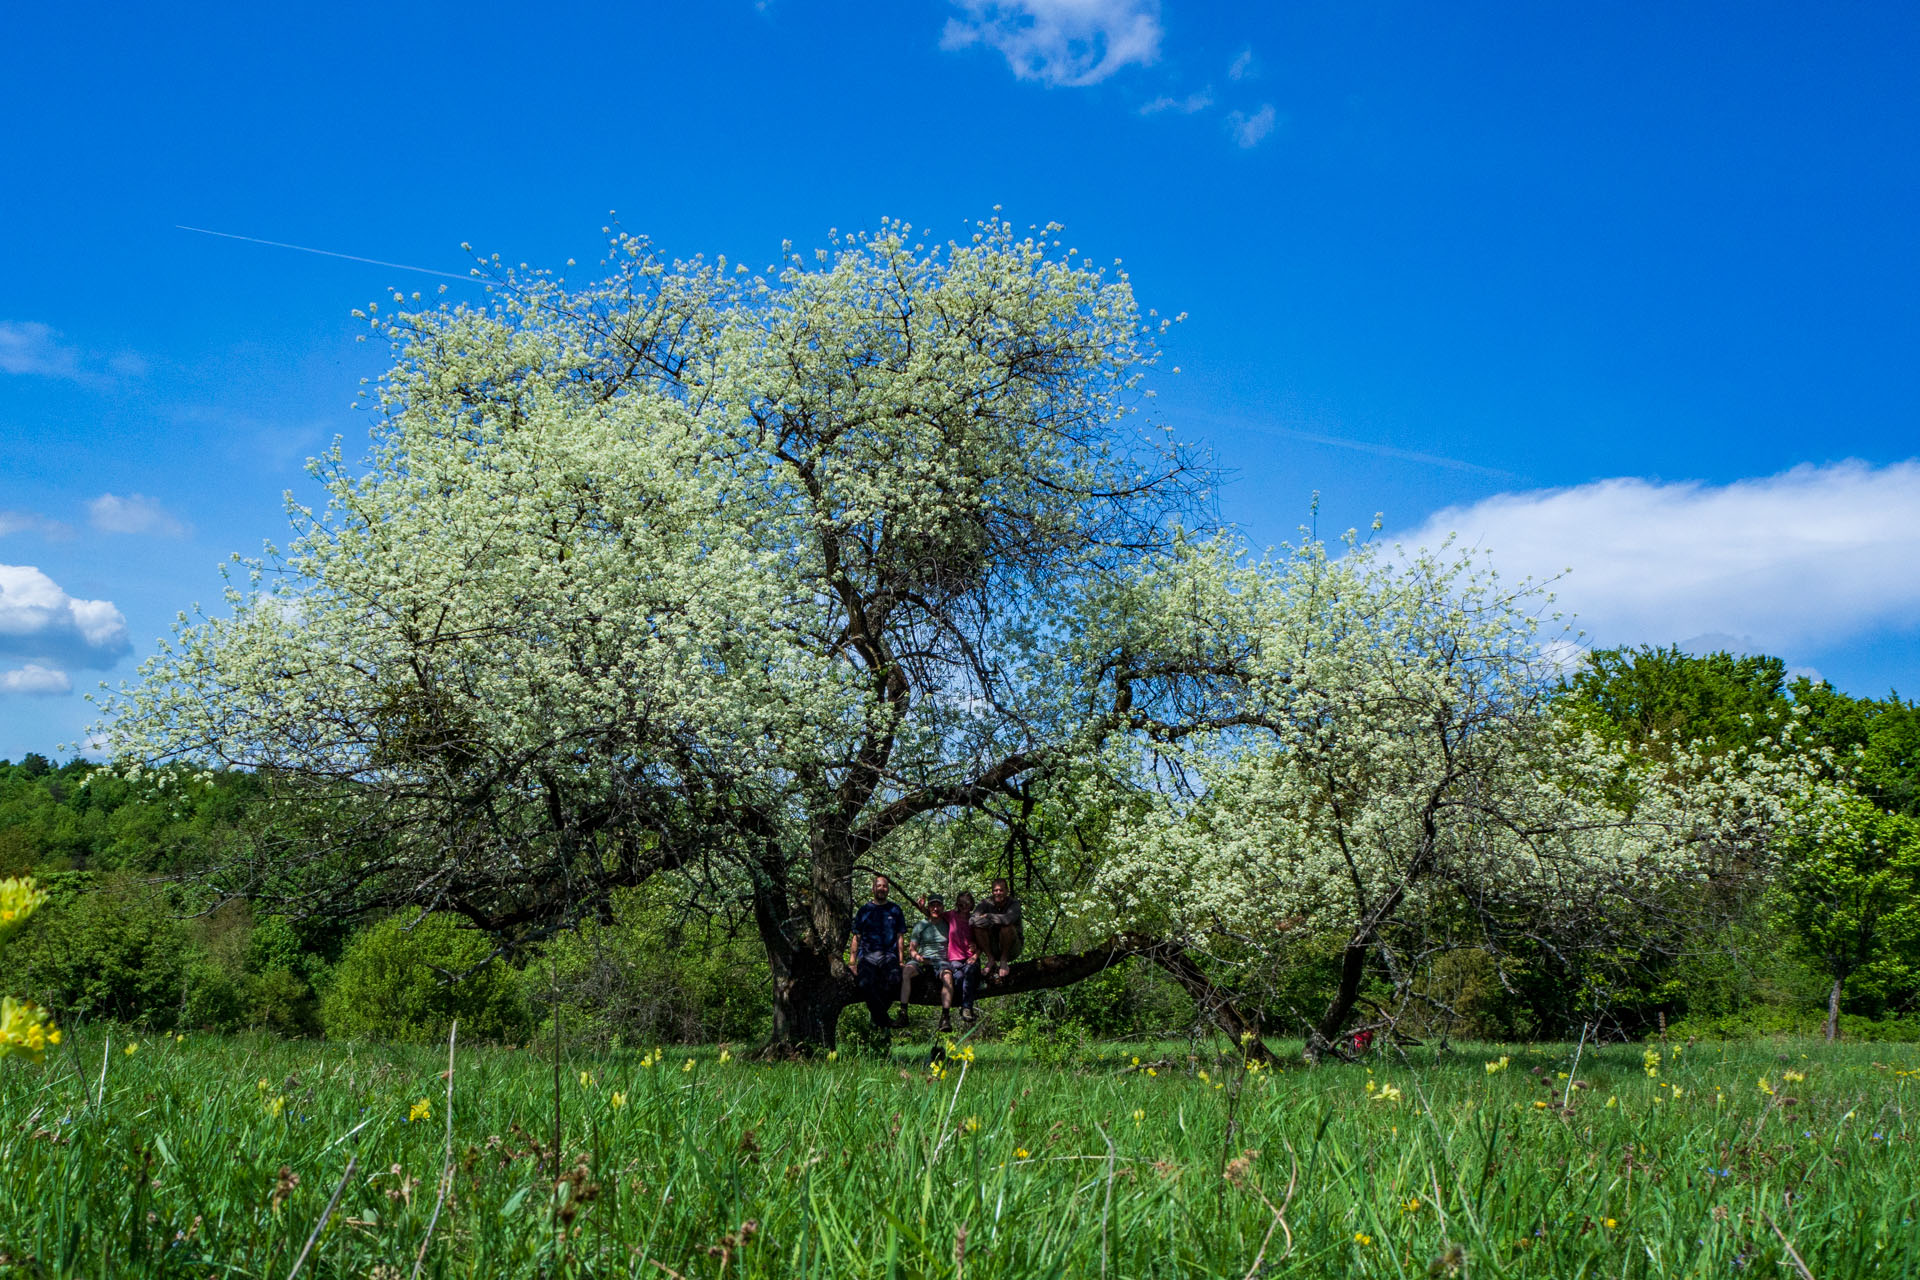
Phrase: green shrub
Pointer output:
(653, 976)
(857, 1037)
(1050, 1041)
(396, 981)
(112, 953)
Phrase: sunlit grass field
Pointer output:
(219, 1157)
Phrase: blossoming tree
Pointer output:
(1388, 751)
(694, 570)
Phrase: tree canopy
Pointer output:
(741, 577)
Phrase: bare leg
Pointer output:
(1000, 947)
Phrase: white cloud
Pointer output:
(134, 513)
(1242, 65)
(27, 346)
(1812, 556)
(1060, 42)
(34, 678)
(1248, 130)
(1198, 100)
(42, 623)
(31, 522)
(30, 347)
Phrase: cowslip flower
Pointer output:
(1499, 1064)
(618, 1100)
(25, 1029)
(421, 1110)
(20, 897)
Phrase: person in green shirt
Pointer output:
(927, 952)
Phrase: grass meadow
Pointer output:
(219, 1157)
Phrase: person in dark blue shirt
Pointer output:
(880, 953)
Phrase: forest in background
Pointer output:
(131, 932)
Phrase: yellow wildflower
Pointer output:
(422, 1110)
(276, 1107)
(19, 898)
(1138, 1115)
(1410, 1205)
(1498, 1064)
(1021, 1153)
(1362, 1238)
(24, 1029)
(687, 1065)
(618, 1100)
(586, 1077)
(1612, 1223)
(971, 1124)
(1765, 1087)
(833, 1055)
(1793, 1077)
(726, 1056)
(1388, 1093)
(132, 1049)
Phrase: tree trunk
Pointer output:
(1353, 968)
(1833, 1012)
(807, 999)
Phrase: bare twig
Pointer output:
(327, 1213)
(446, 1165)
(1792, 1253)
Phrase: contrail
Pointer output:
(326, 253)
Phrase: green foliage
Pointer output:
(1876, 740)
(1049, 1041)
(656, 974)
(397, 981)
(1648, 695)
(114, 952)
(1851, 895)
(82, 817)
(857, 1037)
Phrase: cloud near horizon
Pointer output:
(51, 631)
(1063, 43)
(1812, 556)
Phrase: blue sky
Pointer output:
(1629, 289)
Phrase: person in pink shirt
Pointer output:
(960, 971)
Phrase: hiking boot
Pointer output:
(946, 1023)
(968, 1015)
(901, 1019)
